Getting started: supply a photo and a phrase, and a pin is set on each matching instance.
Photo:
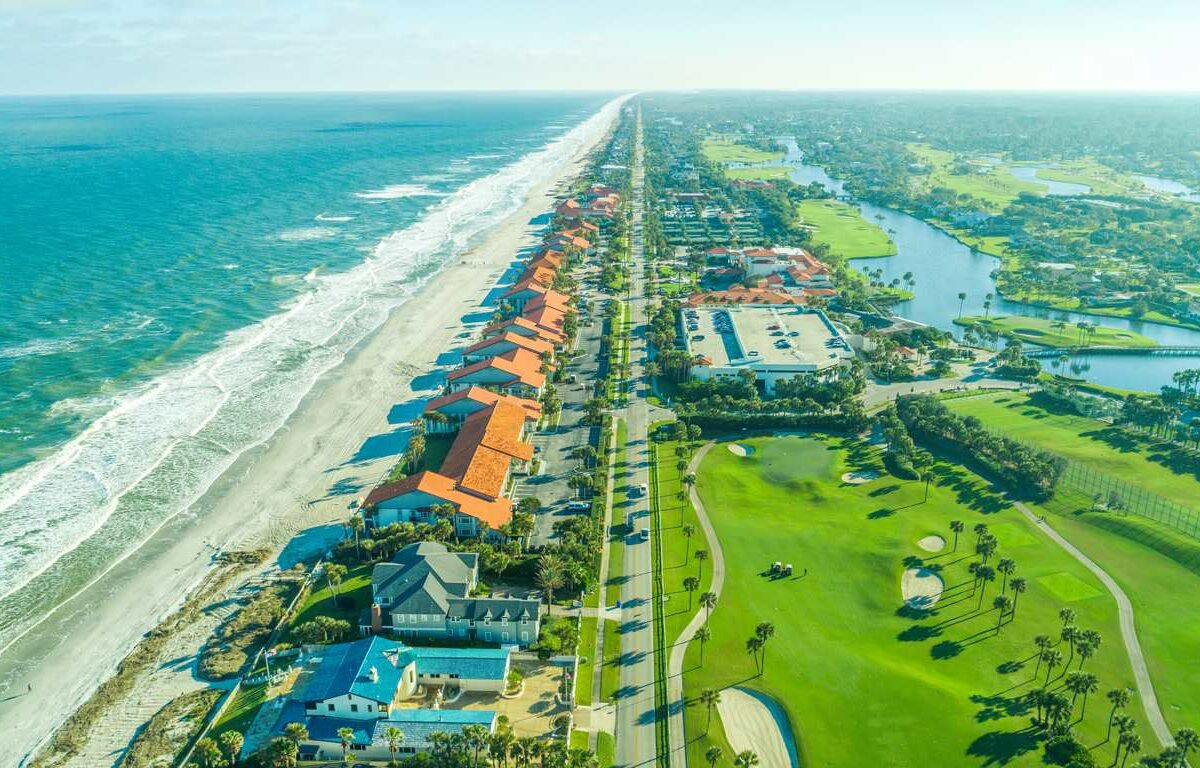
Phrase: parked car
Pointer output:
(644, 534)
(578, 506)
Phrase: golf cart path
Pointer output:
(1128, 631)
(675, 701)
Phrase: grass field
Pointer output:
(747, 174)
(587, 649)
(354, 596)
(1157, 567)
(1042, 330)
(993, 186)
(865, 680)
(842, 227)
(726, 151)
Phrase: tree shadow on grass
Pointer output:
(918, 633)
(998, 707)
(1002, 747)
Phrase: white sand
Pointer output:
(749, 725)
(921, 587)
(860, 477)
(737, 449)
(932, 543)
(302, 477)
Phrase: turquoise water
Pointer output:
(175, 272)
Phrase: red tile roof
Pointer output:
(495, 512)
(488, 443)
(545, 334)
(486, 397)
(536, 346)
(522, 365)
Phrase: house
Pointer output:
(523, 326)
(550, 298)
(490, 447)
(524, 290)
(518, 372)
(548, 319)
(371, 685)
(455, 407)
(425, 591)
(491, 346)
(539, 274)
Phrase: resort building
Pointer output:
(523, 291)
(374, 684)
(425, 592)
(518, 372)
(489, 449)
(775, 342)
(454, 408)
(523, 326)
(493, 346)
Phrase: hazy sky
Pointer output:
(125, 46)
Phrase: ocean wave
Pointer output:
(38, 348)
(398, 191)
(157, 449)
(337, 218)
(304, 234)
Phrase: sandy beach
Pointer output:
(334, 448)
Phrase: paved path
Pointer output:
(1128, 632)
(675, 697)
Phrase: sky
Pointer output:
(185, 46)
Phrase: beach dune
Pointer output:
(344, 436)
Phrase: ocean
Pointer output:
(176, 273)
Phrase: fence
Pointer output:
(1133, 499)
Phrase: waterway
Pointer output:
(1170, 187)
(943, 267)
(1066, 188)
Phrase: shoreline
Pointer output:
(345, 434)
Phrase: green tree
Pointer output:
(231, 745)
(690, 585)
(551, 575)
(709, 697)
(334, 573)
(703, 634)
(1001, 603)
(745, 759)
(701, 555)
(1051, 658)
(1019, 585)
(208, 753)
(764, 632)
(957, 527)
(708, 601)
(282, 752)
(688, 530)
(754, 644)
(395, 737)
(297, 732)
(346, 735)
(1119, 698)
(713, 755)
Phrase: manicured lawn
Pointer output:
(1100, 178)
(1157, 566)
(842, 227)
(747, 174)
(606, 749)
(587, 649)
(610, 676)
(240, 713)
(616, 537)
(1192, 289)
(1042, 331)
(354, 596)
(863, 679)
(993, 187)
(726, 151)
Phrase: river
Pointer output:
(942, 267)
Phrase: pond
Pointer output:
(1170, 187)
(1065, 188)
(942, 267)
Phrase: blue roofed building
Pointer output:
(374, 684)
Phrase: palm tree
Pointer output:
(745, 759)
(979, 529)
(1067, 616)
(1120, 698)
(691, 584)
(713, 754)
(1069, 635)
(346, 735)
(1006, 566)
(764, 632)
(986, 574)
(688, 530)
(1043, 643)
(1052, 658)
(753, 646)
(1187, 740)
(395, 737)
(1002, 603)
(701, 555)
(1133, 745)
(962, 297)
(703, 634)
(709, 697)
(297, 732)
(927, 477)
(1019, 585)
(334, 573)
(283, 752)
(708, 600)
(357, 526)
(231, 744)
(957, 526)
(551, 575)
(1081, 683)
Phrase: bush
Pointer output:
(900, 465)
(1064, 750)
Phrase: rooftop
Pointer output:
(780, 335)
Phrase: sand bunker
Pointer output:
(750, 724)
(921, 587)
(932, 543)
(737, 449)
(860, 477)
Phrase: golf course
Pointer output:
(879, 635)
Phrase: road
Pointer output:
(1133, 648)
(636, 714)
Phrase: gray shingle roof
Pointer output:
(495, 609)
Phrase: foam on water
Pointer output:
(67, 518)
(307, 233)
(338, 218)
(398, 191)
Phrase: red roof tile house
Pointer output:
(491, 346)
(518, 372)
(549, 319)
(523, 326)
(447, 413)
(489, 449)
(523, 291)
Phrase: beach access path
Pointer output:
(291, 494)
